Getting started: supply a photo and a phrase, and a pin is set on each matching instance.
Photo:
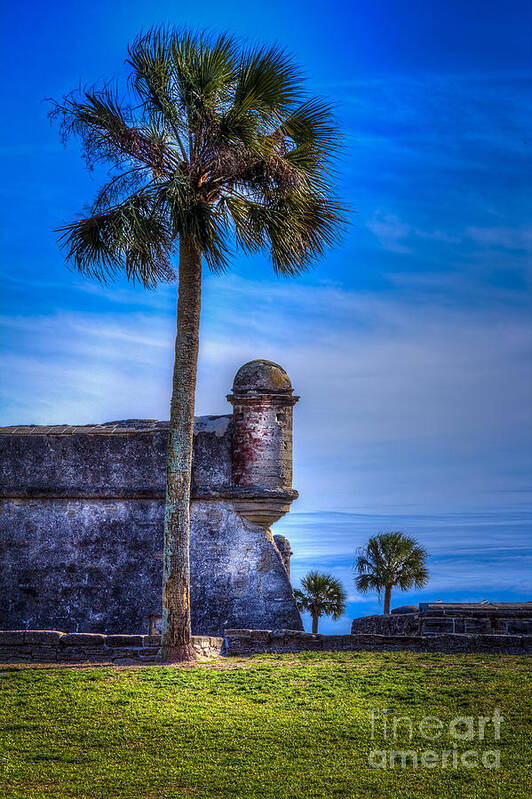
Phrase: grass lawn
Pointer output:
(270, 726)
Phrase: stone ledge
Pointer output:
(394, 624)
(434, 621)
(243, 493)
(82, 492)
(129, 641)
(53, 646)
(202, 424)
(42, 637)
(249, 642)
(81, 639)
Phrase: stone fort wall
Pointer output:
(254, 642)
(81, 518)
(51, 646)
(444, 618)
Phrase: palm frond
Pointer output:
(113, 192)
(205, 67)
(299, 228)
(130, 238)
(190, 216)
(234, 153)
(322, 595)
(296, 228)
(108, 131)
(303, 601)
(368, 582)
(392, 559)
(150, 58)
(312, 126)
(267, 81)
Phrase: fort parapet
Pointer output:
(451, 618)
(82, 507)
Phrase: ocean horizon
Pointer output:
(474, 555)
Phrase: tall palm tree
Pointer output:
(388, 560)
(322, 595)
(214, 145)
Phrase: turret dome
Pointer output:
(262, 377)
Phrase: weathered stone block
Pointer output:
(436, 625)
(43, 637)
(519, 627)
(398, 624)
(82, 639)
(71, 655)
(148, 651)
(132, 653)
(148, 657)
(476, 626)
(260, 635)
(331, 643)
(151, 640)
(12, 637)
(124, 640)
(22, 649)
(200, 640)
(44, 654)
(93, 651)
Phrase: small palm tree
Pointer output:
(388, 560)
(214, 145)
(322, 595)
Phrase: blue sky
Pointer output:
(410, 344)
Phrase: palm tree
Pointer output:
(323, 595)
(388, 560)
(214, 145)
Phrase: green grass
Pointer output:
(270, 726)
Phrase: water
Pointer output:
(473, 555)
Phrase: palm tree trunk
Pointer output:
(176, 632)
(315, 618)
(387, 599)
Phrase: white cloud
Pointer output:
(390, 231)
(396, 235)
(504, 237)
